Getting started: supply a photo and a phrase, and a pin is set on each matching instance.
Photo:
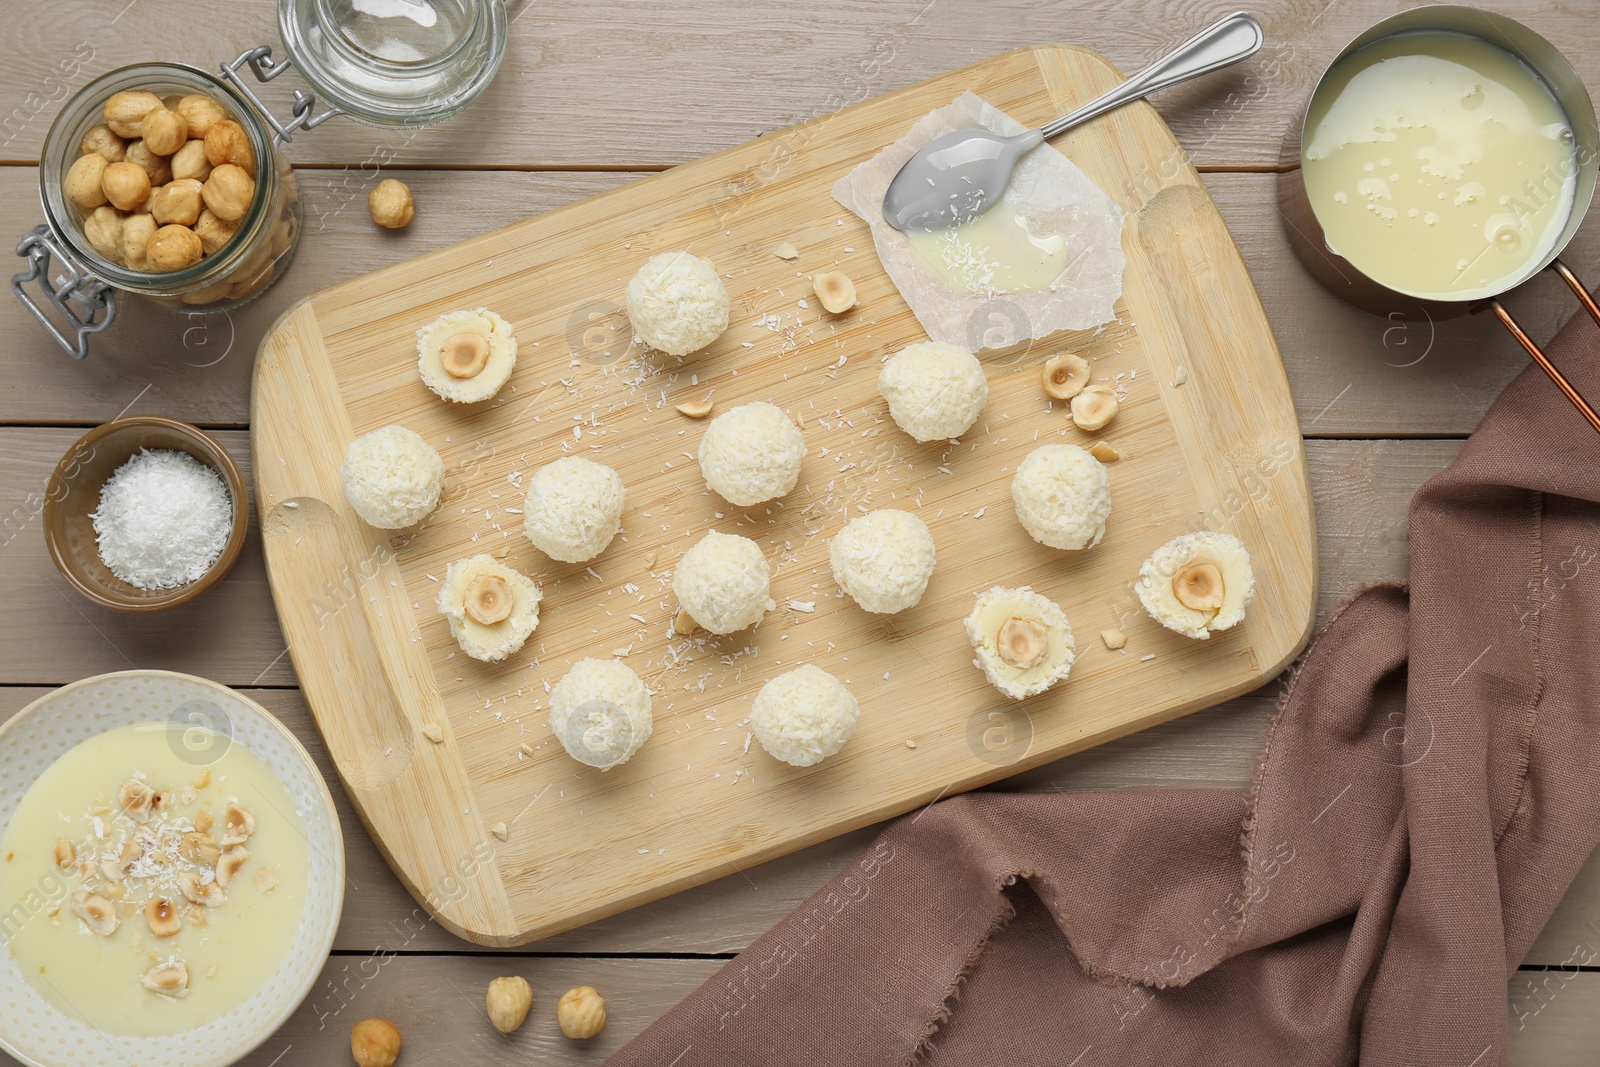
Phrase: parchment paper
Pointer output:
(1048, 191)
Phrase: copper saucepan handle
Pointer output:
(1537, 353)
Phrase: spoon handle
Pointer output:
(1235, 37)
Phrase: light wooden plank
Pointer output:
(438, 1005)
(1223, 447)
(596, 82)
(1351, 373)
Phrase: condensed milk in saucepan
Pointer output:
(1439, 165)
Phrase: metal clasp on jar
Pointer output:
(75, 287)
(259, 60)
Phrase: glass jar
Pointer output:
(404, 63)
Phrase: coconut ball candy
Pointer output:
(724, 583)
(935, 391)
(392, 477)
(804, 716)
(751, 454)
(600, 712)
(466, 356)
(1197, 583)
(1063, 496)
(573, 509)
(677, 304)
(883, 560)
(491, 607)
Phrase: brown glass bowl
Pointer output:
(74, 493)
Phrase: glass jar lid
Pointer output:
(395, 62)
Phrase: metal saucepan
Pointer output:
(1343, 279)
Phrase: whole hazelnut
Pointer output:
(391, 204)
(508, 1001)
(135, 244)
(173, 248)
(374, 1043)
(213, 232)
(82, 183)
(201, 112)
(581, 1012)
(126, 185)
(228, 191)
(124, 111)
(157, 167)
(164, 131)
(101, 139)
(190, 161)
(226, 142)
(178, 202)
(103, 228)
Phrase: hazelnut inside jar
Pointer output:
(161, 180)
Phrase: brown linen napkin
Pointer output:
(1428, 792)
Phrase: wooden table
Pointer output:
(595, 93)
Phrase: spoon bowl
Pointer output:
(961, 174)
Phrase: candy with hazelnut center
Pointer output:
(1198, 585)
(1064, 375)
(465, 355)
(1021, 639)
(488, 599)
(1022, 642)
(374, 1043)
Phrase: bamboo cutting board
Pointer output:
(1207, 430)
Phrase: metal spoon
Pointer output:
(959, 175)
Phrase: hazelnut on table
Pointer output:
(374, 1043)
(581, 1012)
(508, 1002)
(391, 204)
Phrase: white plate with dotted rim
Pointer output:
(41, 1035)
